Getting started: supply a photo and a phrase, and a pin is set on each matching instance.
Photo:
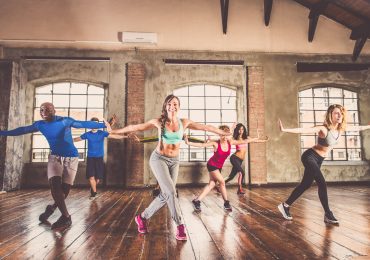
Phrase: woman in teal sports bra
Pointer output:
(164, 160)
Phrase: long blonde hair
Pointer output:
(329, 123)
(164, 116)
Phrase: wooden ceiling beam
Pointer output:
(267, 9)
(314, 15)
(224, 14)
(360, 42)
(365, 19)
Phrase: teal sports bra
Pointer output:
(173, 137)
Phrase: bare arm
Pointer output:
(136, 128)
(202, 145)
(197, 126)
(358, 127)
(303, 130)
(77, 139)
(249, 140)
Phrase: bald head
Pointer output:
(47, 111)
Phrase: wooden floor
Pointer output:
(104, 228)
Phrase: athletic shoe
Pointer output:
(156, 192)
(329, 218)
(240, 192)
(196, 205)
(285, 211)
(62, 222)
(93, 195)
(180, 234)
(227, 206)
(141, 224)
(48, 212)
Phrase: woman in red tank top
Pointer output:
(222, 148)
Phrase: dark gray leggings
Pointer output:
(237, 167)
(312, 163)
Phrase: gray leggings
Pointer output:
(165, 170)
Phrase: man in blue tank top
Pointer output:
(63, 158)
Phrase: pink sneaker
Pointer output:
(180, 234)
(141, 224)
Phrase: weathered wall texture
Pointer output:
(12, 115)
(281, 84)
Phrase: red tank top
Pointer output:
(219, 157)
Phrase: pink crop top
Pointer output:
(219, 157)
(240, 146)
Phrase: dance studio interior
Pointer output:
(274, 66)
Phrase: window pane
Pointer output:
(196, 90)
(306, 103)
(320, 116)
(78, 132)
(228, 102)
(212, 90)
(79, 101)
(184, 154)
(184, 113)
(213, 116)
(341, 141)
(350, 104)
(77, 114)
(43, 98)
(39, 141)
(95, 90)
(228, 92)
(339, 154)
(197, 115)
(228, 115)
(61, 112)
(184, 102)
(61, 100)
(44, 89)
(61, 88)
(196, 102)
(321, 103)
(306, 116)
(335, 92)
(354, 154)
(308, 141)
(305, 93)
(79, 88)
(40, 155)
(352, 118)
(213, 102)
(320, 92)
(350, 94)
(36, 114)
(181, 91)
(336, 101)
(95, 101)
(197, 154)
(353, 141)
(99, 113)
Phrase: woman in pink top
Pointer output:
(222, 150)
(240, 133)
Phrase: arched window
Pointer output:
(313, 104)
(206, 104)
(80, 101)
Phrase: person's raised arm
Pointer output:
(197, 126)
(87, 124)
(249, 140)
(207, 144)
(358, 127)
(136, 128)
(303, 130)
(77, 139)
(20, 130)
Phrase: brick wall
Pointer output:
(135, 111)
(256, 121)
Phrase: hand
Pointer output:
(281, 126)
(186, 139)
(134, 137)
(113, 120)
(108, 126)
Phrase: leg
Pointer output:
(302, 187)
(211, 184)
(217, 177)
(234, 162)
(92, 183)
(58, 194)
(322, 190)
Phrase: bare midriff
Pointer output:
(241, 153)
(321, 150)
(169, 150)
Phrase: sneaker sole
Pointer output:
(181, 238)
(282, 211)
(141, 232)
(328, 221)
(62, 227)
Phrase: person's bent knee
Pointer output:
(222, 183)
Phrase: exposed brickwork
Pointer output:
(135, 111)
(256, 120)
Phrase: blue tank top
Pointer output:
(329, 140)
(173, 137)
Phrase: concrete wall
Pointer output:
(281, 86)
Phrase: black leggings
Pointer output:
(237, 167)
(312, 163)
